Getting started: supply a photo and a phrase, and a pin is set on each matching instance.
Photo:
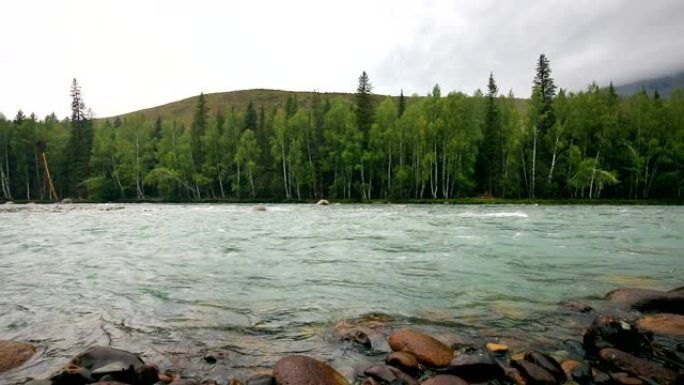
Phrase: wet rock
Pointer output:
(575, 349)
(323, 202)
(67, 201)
(261, 379)
(358, 337)
(213, 357)
(235, 381)
(637, 366)
(406, 362)
(475, 366)
(602, 379)
(625, 379)
(649, 300)
(533, 373)
(496, 348)
(390, 375)
(98, 362)
(14, 354)
(427, 350)
(577, 306)
(667, 324)
(184, 381)
(302, 370)
(568, 366)
(369, 381)
(548, 363)
(444, 379)
(259, 208)
(582, 375)
(609, 332)
(39, 382)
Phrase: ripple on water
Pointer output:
(171, 281)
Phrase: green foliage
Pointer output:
(278, 145)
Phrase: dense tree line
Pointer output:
(589, 144)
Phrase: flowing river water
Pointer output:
(179, 283)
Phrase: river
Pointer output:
(176, 283)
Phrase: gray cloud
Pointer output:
(458, 45)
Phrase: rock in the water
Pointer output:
(582, 375)
(533, 373)
(98, 362)
(444, 379)
(609, 332)
(649, 300)
(496, 348)
(235, 381)
(475, 366)
(302, 370)
(323, 202)
(637, 366)
(427, 350)
(575, 349)
(568, 366)
(404, 361)
(667, 324)
(548, 363)
(261, 379)
(67, 201)
(14, 354)
(184, 381)
(259, 208)
(390, 374)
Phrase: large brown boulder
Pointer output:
(649, 300)
(637, 366)
(475, 366)
(444, 379)
(533, 373)
(302, 370)
(427, 350)
(667, 324)
(14, 354)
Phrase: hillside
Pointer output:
(665, 85)
(182, 110)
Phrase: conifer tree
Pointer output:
(364, 106)
(197, 130)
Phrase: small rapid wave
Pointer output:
(514, 214)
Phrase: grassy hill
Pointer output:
(182, 110)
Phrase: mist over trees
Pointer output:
(558, 144)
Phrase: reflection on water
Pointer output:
(172, 282)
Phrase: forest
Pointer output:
(583, 145)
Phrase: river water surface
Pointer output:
(175, 283)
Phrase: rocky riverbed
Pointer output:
(634, 336)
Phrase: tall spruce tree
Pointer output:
(542, 118)
(364, 105)
(402, 104)
(199, 126)
(489, 155)
(77, 167)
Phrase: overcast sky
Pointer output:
(132, 54)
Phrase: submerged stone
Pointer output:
(425, 348)
(444, 379)
(548, 363)
(302, 370)
(533, 373)
(390, 374)
(14, 354)
(404, 361)
(637, 366)
(667, 324)
(649, 300)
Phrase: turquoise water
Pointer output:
(172, 282)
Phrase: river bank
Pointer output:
(631, 337)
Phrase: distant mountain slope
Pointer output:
(182, 110)
(665, 85)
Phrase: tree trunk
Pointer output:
(534, 163)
